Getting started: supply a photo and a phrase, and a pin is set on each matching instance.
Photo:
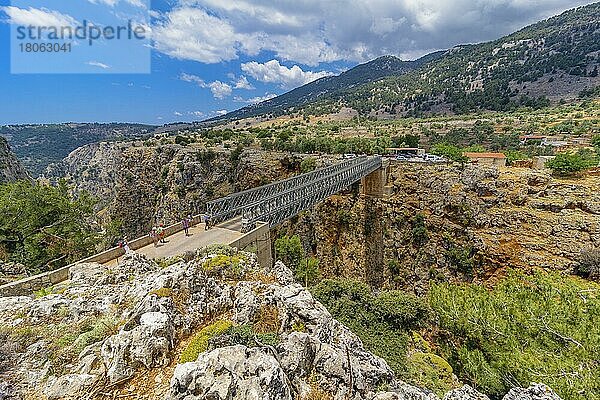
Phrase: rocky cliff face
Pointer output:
(10, 167)
(215, 327)
(444, 222)
(140, 185)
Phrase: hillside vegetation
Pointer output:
(529, 328)
(37, 146)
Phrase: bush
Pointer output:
(382, 322)
(589, 263)
(432, 372)
(449, 151)
(420, 234)
(530, 327)
(308, 271)
(199, 343)
(246, 335)
(308, 165)
(289, 250)
(226, 267)
(566, 164)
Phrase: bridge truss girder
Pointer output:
(278, 201)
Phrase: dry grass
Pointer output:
(267, 319)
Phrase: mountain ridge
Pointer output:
(551, 60)
(379, 68)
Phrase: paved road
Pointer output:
(179, 244)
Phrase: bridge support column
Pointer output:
(257, 240)
(263, 250)
(374, 184)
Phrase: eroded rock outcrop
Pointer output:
(445, 222)
(10, 168)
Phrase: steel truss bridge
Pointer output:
(278, 201)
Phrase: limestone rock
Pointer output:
(69, 386)
(147, 345)
(231, 373)
(465, 393)
(536, 391)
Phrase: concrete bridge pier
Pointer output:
(375, 184)
(258, 240)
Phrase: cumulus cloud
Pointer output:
(310, 32)
(273, 72)
(242, 83)
(191, 34)
(219, 89)
(37, 17)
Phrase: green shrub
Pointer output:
(567, 164)
(226, 266)
(529, 328)
(308, 164)
(289, 250)
(449, 151)
(308, 271)
(420, 234)
(382, 322)
(248, 336)
(432, 372)
(199, 343)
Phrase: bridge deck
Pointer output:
(178, 243)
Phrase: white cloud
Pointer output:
(255, 100)
(220, 112)
(219, 89)
(198, 114)
(310, 32)
(177, 114)
(98, 64)
(37, 17)
(273, 72)
(192, 34)
(242, 83)
(112, 3)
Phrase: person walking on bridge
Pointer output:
(206, 222)
(185, 222)
(154, 236)
(161, 233)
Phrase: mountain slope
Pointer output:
(377, 69)
(40, 145)
(10, 167)
(556, 58)
(551, 60)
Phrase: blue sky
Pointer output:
(212, 56)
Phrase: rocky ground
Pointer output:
(217, 326)
(10, 167)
